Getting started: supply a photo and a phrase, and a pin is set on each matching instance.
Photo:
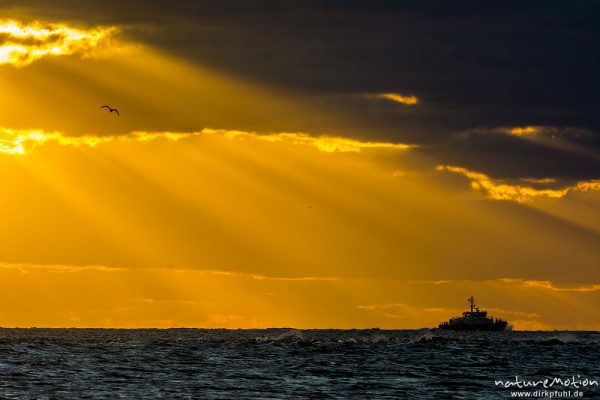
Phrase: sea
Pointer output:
(285, 363)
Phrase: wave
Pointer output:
(291, 336)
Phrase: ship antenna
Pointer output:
(471, 301)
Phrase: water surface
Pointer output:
(286, 363)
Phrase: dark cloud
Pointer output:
(566, 154)
(472, 64)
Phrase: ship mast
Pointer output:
(471, 301)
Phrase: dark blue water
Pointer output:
(287, 363)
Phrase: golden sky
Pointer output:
(197, 206)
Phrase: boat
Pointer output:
(474, 320)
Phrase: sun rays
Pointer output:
(158, 209)
(200, 206)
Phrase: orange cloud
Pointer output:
(16, 141)
(405, 311)
(523, 130)
(59, 268)
(21, 44)
(327, 144)
(586, 186)
(551, 286)
(498, 190)
(539, 181)
(72, 295)
(398, 98)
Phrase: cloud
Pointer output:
(540, 181)
(444, 56)
(61, 269)
(21, 44)
(468, 85)
(405, 311)
(568, 132)
(400, 306)
(566, 154)
(151, 300)
(401, 310)
(508, 313)
(522, 131)
(398, 98)
(586, 186)
(498, 190)
(549, 285)
(93, 296)
(327, 144)
(58, 268)
(259, 277)
(19, 141)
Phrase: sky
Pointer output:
(314, 164)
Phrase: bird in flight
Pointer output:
(111, 109)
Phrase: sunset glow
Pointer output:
(237, 190)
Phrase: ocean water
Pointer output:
(290, 364)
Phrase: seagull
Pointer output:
(110, 109)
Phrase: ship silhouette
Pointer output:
(474, 321)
